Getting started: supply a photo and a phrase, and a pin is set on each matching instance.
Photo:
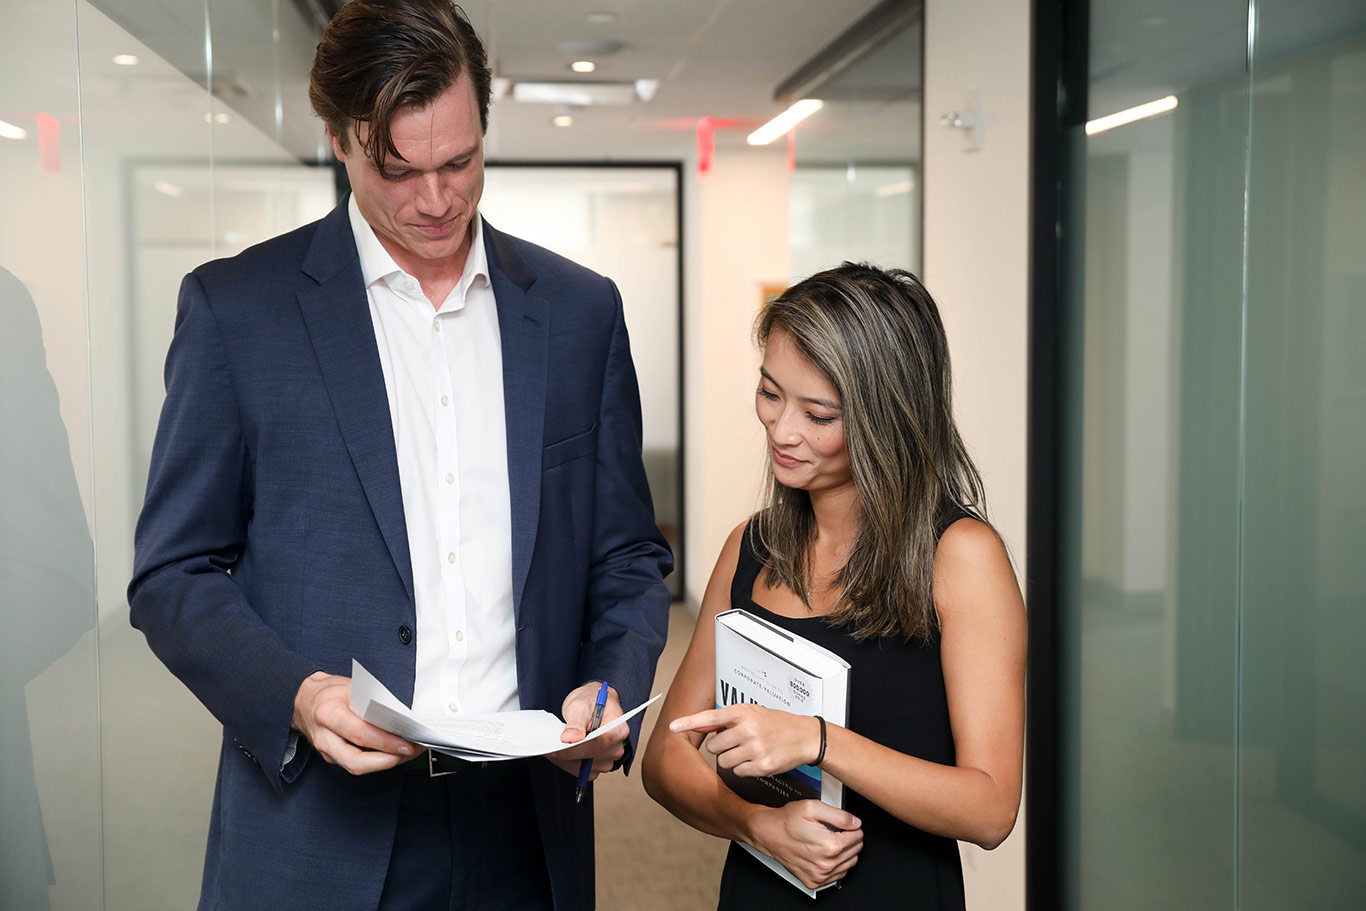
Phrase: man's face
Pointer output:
(422, 204)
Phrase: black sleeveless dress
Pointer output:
(897, 699)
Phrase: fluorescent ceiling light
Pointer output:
(895, 189)
(1119, 118)
(583, 66)
(220, 117)
(562, 120)
(125, 59)
(10, 131)
(577, 93)
(785, 121)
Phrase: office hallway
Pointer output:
(646, 858)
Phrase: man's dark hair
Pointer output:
(377, 57)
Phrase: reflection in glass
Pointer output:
(47, 603)
(1302, 737)
(49, 725)
(855, 189)
(1211, 575)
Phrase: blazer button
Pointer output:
(405, 635)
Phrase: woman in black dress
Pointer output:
(872, 543)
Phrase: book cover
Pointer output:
(761, 663)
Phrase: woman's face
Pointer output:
(802, 413)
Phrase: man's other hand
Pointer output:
(578, 713)
(322, 713)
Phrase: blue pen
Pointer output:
(586, 766)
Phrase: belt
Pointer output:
(432, 764)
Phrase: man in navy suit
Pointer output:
(400, 436)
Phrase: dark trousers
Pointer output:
(468, 842)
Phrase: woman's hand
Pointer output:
(753, 741)
(816, 842)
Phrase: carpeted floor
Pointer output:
(646, 859)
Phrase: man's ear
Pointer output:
(336, 144)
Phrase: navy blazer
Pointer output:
(272, 544)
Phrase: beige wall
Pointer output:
(976, 265)
(737, 243)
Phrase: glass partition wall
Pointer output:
(855, 187)
(1212, 423)
(138, 140)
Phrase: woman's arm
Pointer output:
(982, 649)
(678, 777)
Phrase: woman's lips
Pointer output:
(785, 460)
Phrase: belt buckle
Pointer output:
(432, 770)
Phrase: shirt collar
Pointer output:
(376, 264)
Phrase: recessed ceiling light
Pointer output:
(10, 131)
(562, 120)
(583, 66)
(220, 117)
(601, 17)
(125, 59)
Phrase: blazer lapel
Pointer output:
(523, 323)
(337, 314)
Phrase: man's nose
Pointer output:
(431, 195)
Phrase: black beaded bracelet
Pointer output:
(820, 757)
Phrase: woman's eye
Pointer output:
(771, 396)
(817, 419)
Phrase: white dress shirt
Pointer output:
(443, 371)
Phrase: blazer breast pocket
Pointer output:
(570, 448)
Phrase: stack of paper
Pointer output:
(476, 737)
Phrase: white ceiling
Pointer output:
(718, 58)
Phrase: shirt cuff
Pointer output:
(291, 747)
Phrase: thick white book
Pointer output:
(762, 663)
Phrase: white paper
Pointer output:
(476, 737)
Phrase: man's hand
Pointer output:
(577, 713)
(322, 713)
(754, 741)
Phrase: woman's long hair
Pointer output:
(877, 337)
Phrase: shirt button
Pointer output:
(436, 325)
(409, 284)
(450, 558)
(453, 707)
(405, 635)
(445, 400)
(460, 635)
(450, 478)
